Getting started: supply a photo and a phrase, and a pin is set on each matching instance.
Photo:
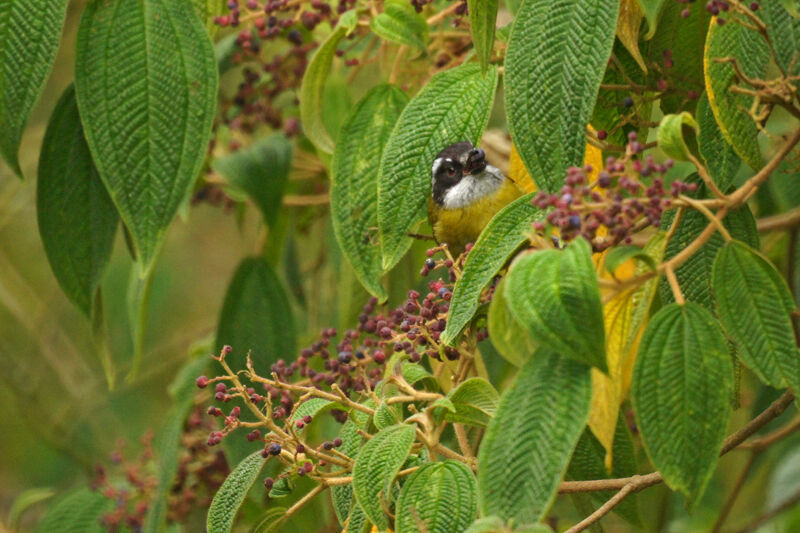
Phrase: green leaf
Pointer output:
(652, 11)
(440, 497)
(376, 466)
(387, 415)
(783, 31)
(618, 255)
(642, 299)
(720, 157)
(415, 373)
(504, 234)
(261, 171)
(30, 32)
(313, 86)
(482, 22)
(207, 10)
(589, 462)
(146, 81)
(792, 6)
(354, 191)
(683, 38)
(557, 51)
(283, 486)
(24, 501)
(527, 447)
(508, 335)
(752, 54)
(168, 442)
(672, 133)
(755, 307)
(77, 220)
(475, 402)
(269, 520)
(694, 275)
(256, 317)
(314, 407)
(454, 106)
(232, 493)
(342, 495)
(79, 511)
(400, 23)
(554, 293)
(491, 524)
(681, 390)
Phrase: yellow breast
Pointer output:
(457, 227)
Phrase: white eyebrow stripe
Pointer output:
(435, 168)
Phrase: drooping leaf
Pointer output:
(629, 22)
(527, 447)
(643, 296)
(673, 133)
(681, 391)
(440, 497)
(230, 496)
(24, 501)
(752, 54)
(77, 220)
(270, 520)
(755, 306)
(454, 106)
(618, 255)
(261, 171)
(652, 12)
(313, 86)
(146, 82)
(557, 50)
(783, 30)
(508, 335)
(694, 275)
(400, 23)
(79, 511)
(256, 317)
(720, 157)
(681, 38)
(482, 22)
(30, 31)
(475, 402)
(504, 234)
(588, 462)
(554, 293)
(376, 466)
(354, 188)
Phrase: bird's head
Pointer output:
(459, 175)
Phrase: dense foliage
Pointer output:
(623, 324)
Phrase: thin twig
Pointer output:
(788, 220)
(604, 509)
(766, 517)
(737, 487)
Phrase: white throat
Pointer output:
(473, 187)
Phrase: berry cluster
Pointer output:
(629, 193)
(131, 483)
(715, 7)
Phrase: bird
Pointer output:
(466, 193)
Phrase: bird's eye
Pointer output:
(451, 171)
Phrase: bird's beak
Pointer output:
(476, 161)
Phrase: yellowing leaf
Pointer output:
(628, 25)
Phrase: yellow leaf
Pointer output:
(519, 174)
(628, 25)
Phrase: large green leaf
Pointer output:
(755, 306)
(313, 86)
(454, 106)
(474, 402)
(260, 171)
(231, 494)
(504, 234)
(440, 497)
(256, 317)
(30, 31)
(731, 110)
(720, 157)
(77, 220)
(682, 38)
(527, 447)
(207, 10)
(508, 335)
(554, 293)
(354, 191)
(482, 22)
(79, 511)
(557, 54)
(400, 23)
(146, 81)
(376, 466)
(783, 31)
(694, 275)
(681, 389)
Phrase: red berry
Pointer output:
(202, 382)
